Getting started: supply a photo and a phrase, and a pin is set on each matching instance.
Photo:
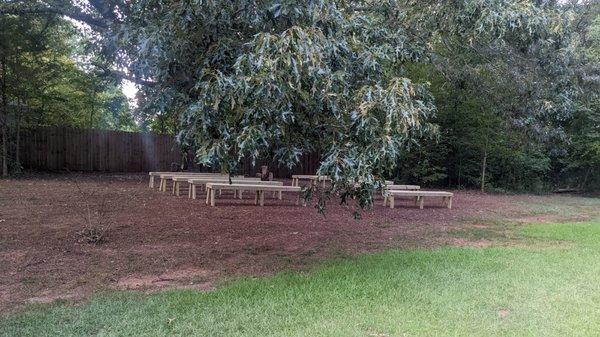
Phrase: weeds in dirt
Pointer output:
(95, 216)
(95, 220)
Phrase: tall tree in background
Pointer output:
(504, 105)
(579, 162)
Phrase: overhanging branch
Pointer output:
(77, 16)
(128, 77)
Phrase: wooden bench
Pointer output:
(313, 178)
(201, 182)
(260, 190)
(157, 174)
(166, 177)
(420, 196)
(392, 187)
(178, 180)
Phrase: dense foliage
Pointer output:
(473, 93)
(516, 119)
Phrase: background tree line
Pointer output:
(45, 81)
(525, 122)
(497, 95)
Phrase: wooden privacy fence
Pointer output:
(61, 148)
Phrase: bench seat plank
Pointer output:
(403, 187)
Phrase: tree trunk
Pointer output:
(18, 139)
(484, 165)
(4, 150)
(4, 119)
(583, 185)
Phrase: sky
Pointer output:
(129, 89)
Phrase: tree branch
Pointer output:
(77, 16)
(128, 77)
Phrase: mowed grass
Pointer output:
(549, 286)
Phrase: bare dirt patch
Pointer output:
(158, 241)
(464, 242)
(191, 276)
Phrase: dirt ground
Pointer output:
(158, 241)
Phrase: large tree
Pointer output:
(278, 79)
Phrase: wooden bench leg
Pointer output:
(207, 195)
(416, 201)
(151, 182)
(256, 198)
(449, 202)
(240, 194)
(385, 197)
(422, 202)
(212, 197)
(172, 187)
(280, 195)
(262, 198)
(177, 184)
(193, 189)
(392, 201)
(161, 185)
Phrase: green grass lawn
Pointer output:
(548, 286)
